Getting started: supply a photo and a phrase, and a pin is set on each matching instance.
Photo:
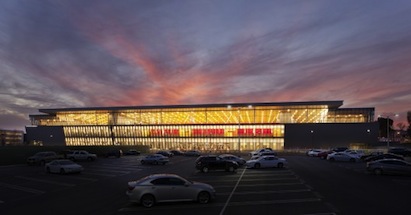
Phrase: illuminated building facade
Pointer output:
(11, 137)
(235, 126)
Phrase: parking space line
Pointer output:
(25, 189)
(267, 192)
(83, 178)
(98, 174)
(253, 180)
(109, 170)
(280, 201)
(45, 181)
(232, 192)
(265, 185)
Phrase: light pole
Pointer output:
(239, 124)
(387, 117)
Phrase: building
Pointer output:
(235, 126)
(11, 137)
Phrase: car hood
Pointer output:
(202, 185)
(73, 166)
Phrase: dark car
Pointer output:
(132, 152)
(400, 151)
(177, 152)
(324, 154)
(239, 160)
(389, 166)
(41, 158)
(114, 153)
(214, 162)
(194, 153)
(372, 154)
(339, 149)
(165, 153)
(383, 156)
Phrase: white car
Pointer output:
(357, 153)
(155, 159)
(158, 188)
(342, 156)
(63, 167)
(266, 162)
(258, 151)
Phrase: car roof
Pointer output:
(391, 159)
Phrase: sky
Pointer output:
(77, 53)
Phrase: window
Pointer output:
(160, 181)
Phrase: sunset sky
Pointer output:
(77, 53)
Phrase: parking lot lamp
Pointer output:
(387, 116)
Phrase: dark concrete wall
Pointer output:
(328, 135)
(48, 135)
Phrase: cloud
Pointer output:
(105, 53)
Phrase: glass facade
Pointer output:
(202, 127)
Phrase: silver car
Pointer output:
(389, 166)
(342, 156)
(155, 159)
(63, 167)
(168, 188)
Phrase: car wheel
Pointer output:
(155, 162)
(257, 165)
(230, 169)
(48, 169)
(142, 162)
(203, 197)
(62, 171)
(352, 160)
(332, 159)
(204, 169)
(42, 163)
(280, 165)
(148, 200)
(90, 159)
(378, 171)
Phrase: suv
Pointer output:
(114, 153)
(42, 158)
(214, 162)
(81, 155)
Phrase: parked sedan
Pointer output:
(384, 156)
(239, 160)
(400, 151)
(165, 153)
(266, 162)
(313, 152)
(41, 158)
(157, 188)
(155, 159)
(389, 166)
(63, 166)
(194, 153)
(324, 154)
(342, 156)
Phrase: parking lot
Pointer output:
(306, 186)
